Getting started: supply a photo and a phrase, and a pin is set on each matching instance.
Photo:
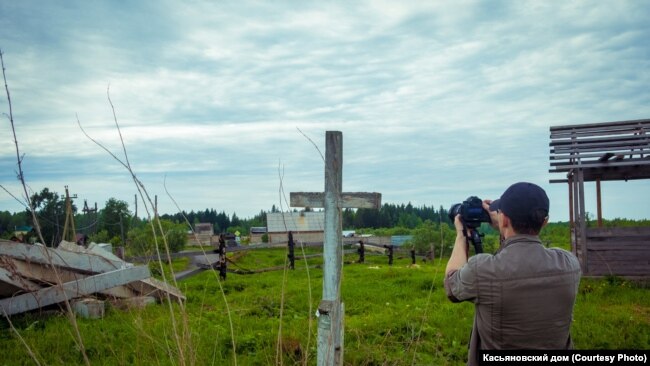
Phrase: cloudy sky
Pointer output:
(437, 100)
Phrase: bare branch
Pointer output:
(99, 143)
(35, 220)
(19, 157)
(155, 219)
(313, 143)
(14, 197)
(117, 125)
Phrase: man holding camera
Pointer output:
(524, 294)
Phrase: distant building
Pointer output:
(202, 234)
(307, 227)
(204, 228)
(256, 234)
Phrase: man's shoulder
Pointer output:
(485, 264)
(559, 250)
(566, 255)
(481, 258)
(562, 253)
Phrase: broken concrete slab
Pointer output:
(35, 276)
(70, 290)
(89, 308)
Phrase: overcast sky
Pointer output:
(437, 100)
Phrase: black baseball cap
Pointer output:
(523, 202)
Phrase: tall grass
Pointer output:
(384, 323)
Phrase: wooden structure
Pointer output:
(203, 228)
(603, 152)
(256, 234)
(306, 226)
(331, 310)
(201, 235)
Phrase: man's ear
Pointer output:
(505, 221)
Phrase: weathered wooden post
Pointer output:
(330, 309)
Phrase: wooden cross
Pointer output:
(333, 200)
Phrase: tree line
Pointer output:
(115, 220)
(115, 223)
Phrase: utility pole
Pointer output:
(86, 210)
(68, 227)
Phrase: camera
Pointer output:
(472, 215)
(471, 212)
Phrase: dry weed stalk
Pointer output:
(223, 293)
(183, 341)
(283, 198)
(21, 176)
(434, 278)
(19, 158)
(278, 344)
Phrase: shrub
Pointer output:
(141, 240)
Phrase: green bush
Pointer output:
(142, 240)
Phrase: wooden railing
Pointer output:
(622, 145)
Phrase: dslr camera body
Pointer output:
(471, 212)
(472, 215)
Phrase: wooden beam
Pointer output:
(599, 208)
(597, 163)
(582, 218)
(330, 322)
(641, 232)
(571, 187)
(628, 138)
(641, 163)
(600, 126)
(331, 309)
(348, 199)
(70, 290)
(573, 156)
(580, 148)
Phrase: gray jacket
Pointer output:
(523, 295)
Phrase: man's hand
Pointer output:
(458, 223)
(461, 230)
(493, 214)
(460, 252)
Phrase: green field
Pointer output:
(395, 315)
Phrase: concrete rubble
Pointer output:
(33, 276)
